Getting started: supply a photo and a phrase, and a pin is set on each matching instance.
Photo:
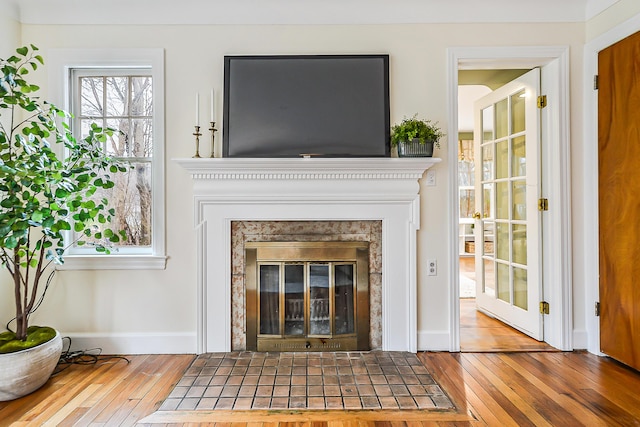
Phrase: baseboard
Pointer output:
(580, 339)
(132, 343)
(434, 341)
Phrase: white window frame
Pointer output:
(61, 62)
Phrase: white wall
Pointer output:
(137, 311)
(9, 28)
(611, 17)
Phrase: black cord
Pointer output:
(82, 357)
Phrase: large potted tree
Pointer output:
(49, 183)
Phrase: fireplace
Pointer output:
(231, 190)
(307, 296)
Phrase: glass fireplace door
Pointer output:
(307, 296)
(310, 300)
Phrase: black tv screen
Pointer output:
(318, 105)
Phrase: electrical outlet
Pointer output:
(431, 178)
(432, 267)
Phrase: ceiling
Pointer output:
(70, 12)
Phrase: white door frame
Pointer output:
(590, 175)
(556, 258)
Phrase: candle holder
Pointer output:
(197, 134)
(213, 136)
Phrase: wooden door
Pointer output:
(619, 199)
(507, 222)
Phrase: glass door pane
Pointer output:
(344, 309)
(319, 310)
(294, 299)
(269, 295)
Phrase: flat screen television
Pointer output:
(317, 105)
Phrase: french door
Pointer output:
(507, 227)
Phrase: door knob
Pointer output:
(477, 215)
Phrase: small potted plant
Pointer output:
(44, 196)
(415, 137)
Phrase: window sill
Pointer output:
(113, 262)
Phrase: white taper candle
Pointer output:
(213, 106)
(197, 109)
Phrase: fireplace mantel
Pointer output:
(307, 189)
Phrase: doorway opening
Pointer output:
(488, 183)
(556, 235)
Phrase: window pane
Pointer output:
(487, 162)
(91, 96)
(502, 118)
(519, 157)
(520, 244)
(520, 294)
(344, 307)
(502, 200)
(489, 277)
(519, 197)
(294, 299)
(131, 199)
(487, 200)
(487, 124)
(141, 137)
(502, 241)
(488, 233)
(319, 322)
(118, 144)
(117, 96)
(141, 96)
(502, 159)
(128, 108)
(269, 299)
(503, 283)
(517, 112)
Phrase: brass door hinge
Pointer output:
(543, 204)
(544, 307)
(542, 101)
(596, 82)
(597, 309)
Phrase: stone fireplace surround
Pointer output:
(226, 190)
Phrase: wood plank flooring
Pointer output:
(481, 333)
(488, 389)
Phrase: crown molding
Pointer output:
(204, 12)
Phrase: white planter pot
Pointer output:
(27, 370)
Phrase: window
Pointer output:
(125, 94)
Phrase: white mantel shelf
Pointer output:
(307, 168)
(307, 189)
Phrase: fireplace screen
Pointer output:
(307, 296)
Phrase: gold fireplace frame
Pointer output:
(334, 252)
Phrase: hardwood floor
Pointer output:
(481, 333)
(488, 389)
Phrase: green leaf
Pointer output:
(10, 242)
(23, 50)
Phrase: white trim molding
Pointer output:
(315, 189)
(60, 62)
(557, 253)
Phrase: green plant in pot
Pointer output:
(48, 183)
(415, 137)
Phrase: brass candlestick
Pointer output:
(197, 135)
(213, 136)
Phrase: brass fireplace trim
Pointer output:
(321, 252)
